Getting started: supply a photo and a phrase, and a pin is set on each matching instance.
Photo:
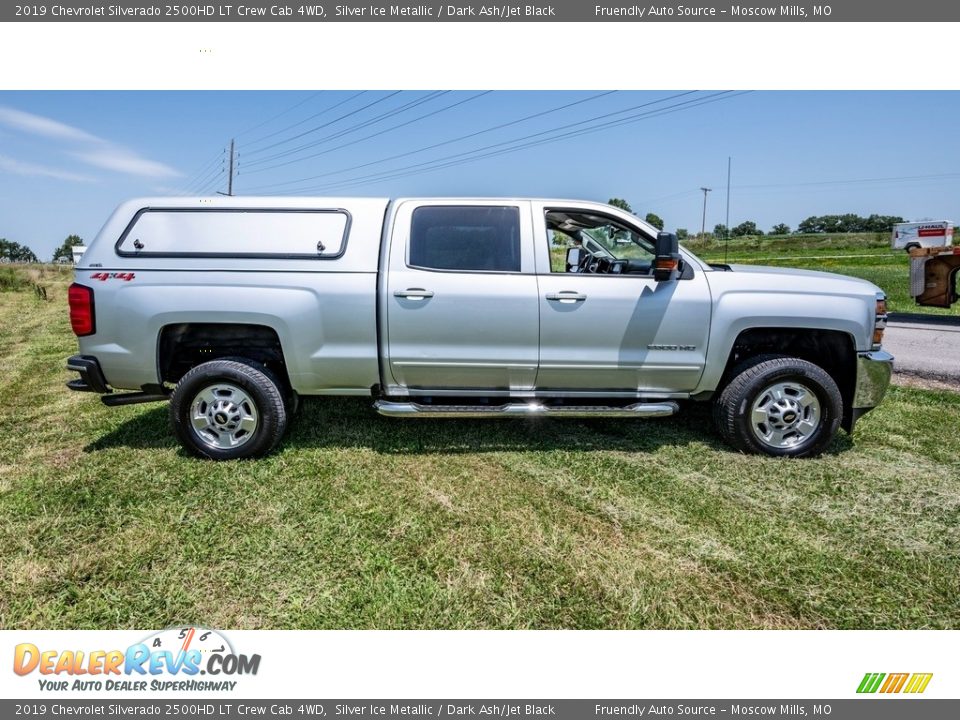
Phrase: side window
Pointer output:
(605, 245)
(467, 238)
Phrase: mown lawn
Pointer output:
(364, 522)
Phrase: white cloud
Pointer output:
(119, 159)
(96, 151)
(18, 167)
(38, 125)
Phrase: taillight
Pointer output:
(82, 318)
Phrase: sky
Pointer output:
(68, 158)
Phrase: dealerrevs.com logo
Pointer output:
(173, 659)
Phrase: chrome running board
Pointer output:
(526, 409)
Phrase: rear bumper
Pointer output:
(91, 376)
(874, 369)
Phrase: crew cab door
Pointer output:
(608, 326)
(460, 298)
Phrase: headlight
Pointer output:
(880, 321)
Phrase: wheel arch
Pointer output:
(185, 345)
(832, 350)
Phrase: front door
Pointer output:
(461, 297)
(606, 324)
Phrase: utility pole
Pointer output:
(229, 191)
(703, 224)
(230, 176)
(726, 243)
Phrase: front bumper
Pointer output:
(91, 376)
(874, 369)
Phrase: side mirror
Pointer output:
(573, 258)
(667, 261)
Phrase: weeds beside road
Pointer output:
(360, 521)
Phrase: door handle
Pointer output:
(413, 294)
(567, 296)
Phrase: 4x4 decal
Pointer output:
(113, 276)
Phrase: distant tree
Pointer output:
(848, 223)
(654, 220)
(780, 229)
(15, 252)
(682, 234)
(620, 203)
(64, 251)
(881, 223)
(720, 230)
(748, 227)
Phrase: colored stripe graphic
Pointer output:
(870, 682)
(918, 683)
(894, 683)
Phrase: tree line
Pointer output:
(17, 253)
(845, 223)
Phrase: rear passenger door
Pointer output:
(461, 297)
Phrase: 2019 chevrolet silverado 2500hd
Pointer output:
(232, 308)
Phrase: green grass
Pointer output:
(12, 279)
(360, 521)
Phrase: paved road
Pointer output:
(929, 350)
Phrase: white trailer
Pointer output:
(909, 236)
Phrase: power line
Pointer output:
(376, 134)
(200, 183)
(459, 158)
(194, 190)
(852, 181)
(305, 120)
(446, 142)
(280, 115)
(326, 124)
(212, 183)
(604, 126)
(661, 198)
(202, 172)
(340, 133)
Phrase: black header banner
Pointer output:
(461, 11)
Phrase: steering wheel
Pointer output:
(595, 264)
(585, 261)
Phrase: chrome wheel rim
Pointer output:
(223, 416)
(785, 415)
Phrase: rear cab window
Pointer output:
(469, 238)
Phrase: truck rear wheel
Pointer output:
(228, 409)
(780, 406)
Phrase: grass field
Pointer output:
(363, 522)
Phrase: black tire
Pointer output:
(240, 406)
(797, 424)
(911, 246)
(291, 399)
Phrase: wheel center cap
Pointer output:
(789, 417)
(220, 417)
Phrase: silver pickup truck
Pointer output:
(233, 308)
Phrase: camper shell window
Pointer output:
(236, 233)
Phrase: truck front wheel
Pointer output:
(228, 409)
(779, 406)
